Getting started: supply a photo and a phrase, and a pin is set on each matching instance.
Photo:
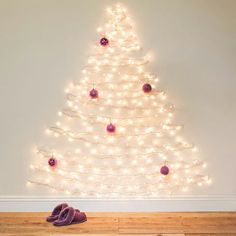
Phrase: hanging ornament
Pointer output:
(147, 88)
(104, 42)
(52, 162)
(164, 170)
(93, 93)
(111, 128)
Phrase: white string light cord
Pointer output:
(118, 138)
(74, 183)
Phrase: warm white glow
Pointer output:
(92, 162)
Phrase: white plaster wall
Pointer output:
(45, 43)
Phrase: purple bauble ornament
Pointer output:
(104, 42)
(111, 128)
(164, 170)
(147, 88)
(93, 93)
(52, 162)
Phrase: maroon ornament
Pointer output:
(164, 170)
(52, 162)
(147, 88)
(93, 93)
(104, 42)
(111, 128)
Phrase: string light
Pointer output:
(127, 162)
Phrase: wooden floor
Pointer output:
(126, 224)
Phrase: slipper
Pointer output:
(80, 217)
(56, 211)
(66, 217)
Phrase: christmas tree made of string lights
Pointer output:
(116, 137)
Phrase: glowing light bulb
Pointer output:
(204, 165)
(48, 131)
(209, 181)
(93, 151)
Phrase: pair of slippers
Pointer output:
(65, 215)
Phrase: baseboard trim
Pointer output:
(173, 204)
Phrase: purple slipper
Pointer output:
(80, 217)
(66, 217)
(56, 212)
(70, 216)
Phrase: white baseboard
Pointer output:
(189, 203)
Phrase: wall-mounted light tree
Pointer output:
(116, 137)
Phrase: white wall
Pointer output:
(44, 44)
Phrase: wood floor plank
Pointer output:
(179, 223)
(220, 234)
(125, 224)
(88, 234)
(29, 223)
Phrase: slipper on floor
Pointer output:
(70, 216)
(56, 212)
(80, 217)
(66, 217)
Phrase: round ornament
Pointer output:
(111, 128)
(104, 42)
(93, 93)
(52, 162)
(147, 88)
(164, 170)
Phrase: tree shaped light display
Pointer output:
(116, 137)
